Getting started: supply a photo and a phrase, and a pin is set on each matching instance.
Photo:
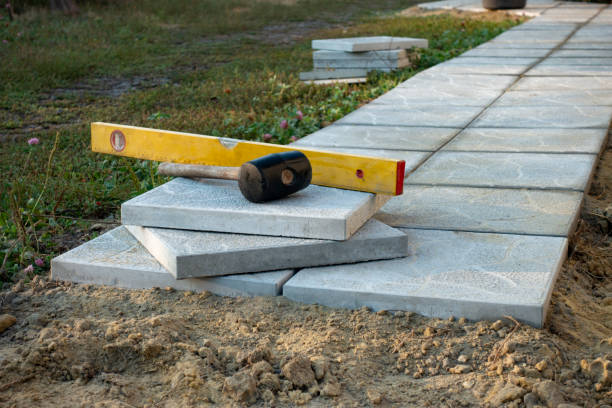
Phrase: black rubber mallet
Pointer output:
(264, 179)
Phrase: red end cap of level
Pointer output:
(399, 184)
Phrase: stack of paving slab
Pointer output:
(204, 235)
(350, 59)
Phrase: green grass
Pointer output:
(209, 70)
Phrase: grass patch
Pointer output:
(164, 68)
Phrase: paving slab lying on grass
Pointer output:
(514, 211)
(379, 137)
(555, 98)
(529, 140)
(333, 73)
(545, 117)
(116, 258)
(386, 55)
(357, 44)
(478, 276)
(217, 205)
(436, 116)
(516, 170)
(379, 65)
(196, 254)
(559, 83)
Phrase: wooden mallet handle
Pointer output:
(198, 171)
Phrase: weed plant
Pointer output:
(224, 74)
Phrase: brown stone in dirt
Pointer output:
(460, 369)
(429, 332)
(240, 387)
(530, 400)
(269, 381)
(549, 393)
(6, 321)
(82, 325)
(299, 398)
(541, 366)
(506, 393)
(299, 371)
(331, 389)
(374, 396)
(261, 367)
(497, 325)
(600, 370)
(260, 353)
(320, 366)
(151, 348)
(46, 334)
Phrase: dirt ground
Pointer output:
(81, 345)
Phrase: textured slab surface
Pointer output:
(381, 137)
(379, 65)
(368, 43)
(438, 96)
(437, 116)
(529, 140)
(533, 212)
(485, 69)
(579, 54)
(192, 254)
(565, 70)
(478, 276)
(117, 259)
(555, 98)
(433, 81)
(392, 55)
(505, 52)
(517, 170)
(217, 205)
(563, 83)
(545, 117)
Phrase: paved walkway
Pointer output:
(500, 145)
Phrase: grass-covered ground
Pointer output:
(225, 68)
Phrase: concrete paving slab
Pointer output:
(579, 54)
(217, 205)
(415, 96)
(117, 259)
(533, 36)
(516, 170)
(357, 44)
(518, 45)
(318, 74)
(477, 276)
(489, 69)
(536, 25)
(386, 55)
(361, 80)
(556, 98)
(365, 64)
(471, 60)
(549, 69)
(554, 60)
(513, 211)
(579, 45)
(563, 83)
(429, 81)
(196, 254)
(382, 137)
(545, 117)
(529, 140)
(436, 116)
(506, 52)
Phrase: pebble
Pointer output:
(460, 369)
(497, 325)
(298, 370)
(508, 393)
(541, 366)
(374, 396)
(240, 387)
(463, 358)
(530, 400)
(6, 321)
(468, 384)
(549, 393)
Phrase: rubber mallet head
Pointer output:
(274, 176)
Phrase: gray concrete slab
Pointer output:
(381, 137)
(519, 45)
(471, 60)
(318, 74)
(545, 117)
(477, 276)
(217, 205)
(438, 96)
(579, 45)
(357, 44)
(536, 25)
(514, 211)
(117, 259)
(197, 254)
(411, 158)
(516, 170)
(365, 64)
(552, 69)
(570, 83)
(505, 52)
(554, 60)
(489, 69)
(579, 54)
(386, 55)
(529, 140)
(533, 36)
(436, 116)
(556, 98)
(428, 81)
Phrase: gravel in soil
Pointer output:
(79, 345)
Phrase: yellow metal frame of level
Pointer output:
(332, 169)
